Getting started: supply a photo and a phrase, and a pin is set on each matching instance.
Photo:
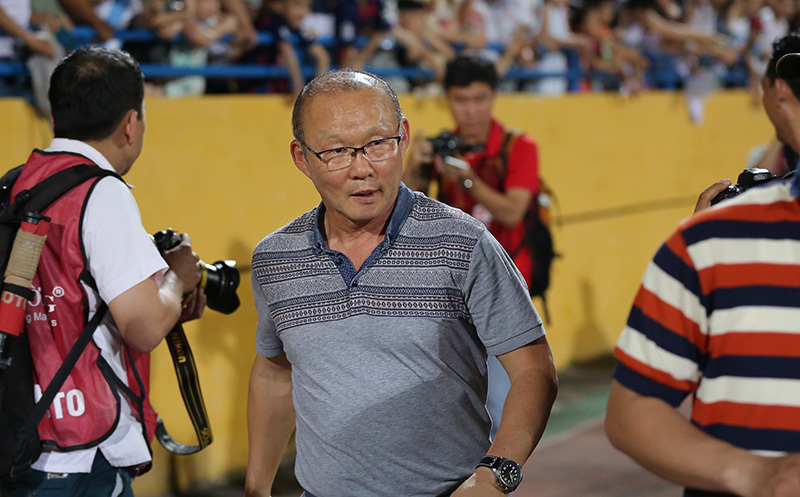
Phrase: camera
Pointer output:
(447, 144)
(748, 178)
(218, 281)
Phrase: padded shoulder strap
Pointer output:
(50, 189)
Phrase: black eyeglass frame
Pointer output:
(355, 150)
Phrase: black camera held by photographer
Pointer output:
(750, 177)
(218, 281)
(448, 145)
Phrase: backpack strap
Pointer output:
(41, 407)
(50, 189)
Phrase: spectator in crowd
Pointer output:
(355, 19)
(499, 181)
(419, 43)
(607, 54)
(556, 34)
(675, 37)
(292, 48)
(461, 25)
(508, 25)
(389, 374)
(772, 23)
(15, 19)
(203, 32)
(716, 319)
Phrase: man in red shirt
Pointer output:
(489, 172)
(499, 175)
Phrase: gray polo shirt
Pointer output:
(389, 362)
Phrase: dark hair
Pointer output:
(340, 81)
(91, 90)
(788, 44)
(467, 69)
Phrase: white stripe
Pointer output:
(757, 391)
(755, 319)
(641, 348)
(714, 251)
(671, 291)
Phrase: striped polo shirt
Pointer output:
(717, 316)
(389, 362)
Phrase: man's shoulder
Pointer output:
(434, 217)
(764, 205)
(298, 233)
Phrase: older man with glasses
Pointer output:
(377, 310)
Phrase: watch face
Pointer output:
(510, 473)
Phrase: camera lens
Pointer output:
(219, 282)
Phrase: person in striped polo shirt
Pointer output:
(717, 319)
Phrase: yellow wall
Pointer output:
(219, 169)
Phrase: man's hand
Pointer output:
(193, 305)
(42, 46)
(184, 263)
(482, 483)
(704, 200)
(768, 477)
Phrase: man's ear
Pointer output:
(129, 126)
(299, 157)
(782, 89)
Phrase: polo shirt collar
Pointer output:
(400, 213)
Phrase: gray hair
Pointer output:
(340, 81)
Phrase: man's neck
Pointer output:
(478, 136)
(355, 240)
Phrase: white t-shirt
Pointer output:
(18, 11)
(120, 255)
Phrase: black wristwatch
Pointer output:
(507, 472)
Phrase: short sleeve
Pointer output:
(498, 300)
(523, 165)
(119, 252)
(663, 343)
(267, 342)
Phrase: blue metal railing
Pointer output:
(663, 72)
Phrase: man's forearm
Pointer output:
(270, 423)
(528, 403)
(663, 441)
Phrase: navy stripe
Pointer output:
(691, 492)
(665, 338)
(754, 367)
(647, 387)
(754, 438)
(675, 267)
(779, 296)
(729, 229)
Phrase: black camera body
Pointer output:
(218, 281)
(750, 177)
(447, 144)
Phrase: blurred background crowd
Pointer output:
(194, 47)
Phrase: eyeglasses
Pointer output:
(341, 157)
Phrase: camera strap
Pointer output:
(189, 384)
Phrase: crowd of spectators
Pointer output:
(536, 44)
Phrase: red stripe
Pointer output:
(678, 247)
(748, 415)
(740, 275)
(776, 211)
(654, 374)
(669, 317)
(755, 344)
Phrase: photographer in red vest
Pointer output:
(98, 429)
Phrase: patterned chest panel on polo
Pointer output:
(420, 275)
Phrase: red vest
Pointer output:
(86, 409)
